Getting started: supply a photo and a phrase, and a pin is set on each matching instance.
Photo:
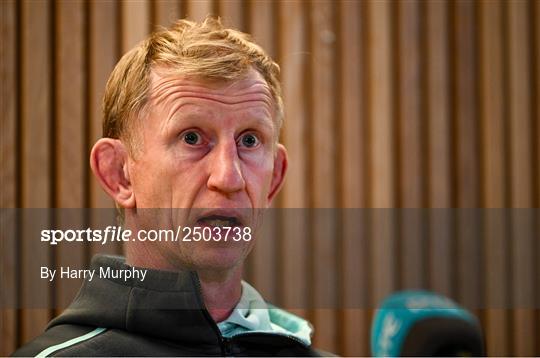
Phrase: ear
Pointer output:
(280, 169)
(109, 163)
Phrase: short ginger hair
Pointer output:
(206, 50)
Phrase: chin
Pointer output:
(220, 257)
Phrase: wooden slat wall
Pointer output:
(352, 184)
(9, 168)
(294, 59)
(36, 137)
(494, 189)
(405, 104)
(70, 141)
(520, 105)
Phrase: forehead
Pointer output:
(251, 90)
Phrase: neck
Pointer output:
(221, 292)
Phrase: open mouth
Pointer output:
(219, 221)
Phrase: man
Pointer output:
(191, 123)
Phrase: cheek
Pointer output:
(148, 191)
(258, 175)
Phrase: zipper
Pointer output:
(227, 347)
(224, 343)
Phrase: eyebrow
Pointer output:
(178, 115)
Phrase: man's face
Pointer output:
(208, 149)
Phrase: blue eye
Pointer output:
(249, 140)
(192, 138)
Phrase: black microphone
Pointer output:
(422, 323)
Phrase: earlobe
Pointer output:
(109, 163)
(278, 175)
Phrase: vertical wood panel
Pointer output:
(409, 110)
(520, 102)
(352, 191)
(35, 158)
(439, 154)
(535, 16)
(198, 10)
(8, 175)
(135, 23)
(70, 155)
(8, 133)
(231, 12)
(521, 175)
(8, 280)
(381, 161)
(69, 101)
(466, 149)
(465, 101)
(381, 104)
(165, 12)
(264, 260)
(294, 236)
(494, 193)
(493, 110)
(410, 144)
(324, 157)
(437, 98)
(262, 25)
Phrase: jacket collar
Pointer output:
(165, 305)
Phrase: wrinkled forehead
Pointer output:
(167, 86)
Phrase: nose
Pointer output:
(225, 171)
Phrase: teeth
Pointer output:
(218, 223)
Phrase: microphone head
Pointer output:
(422, 323)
